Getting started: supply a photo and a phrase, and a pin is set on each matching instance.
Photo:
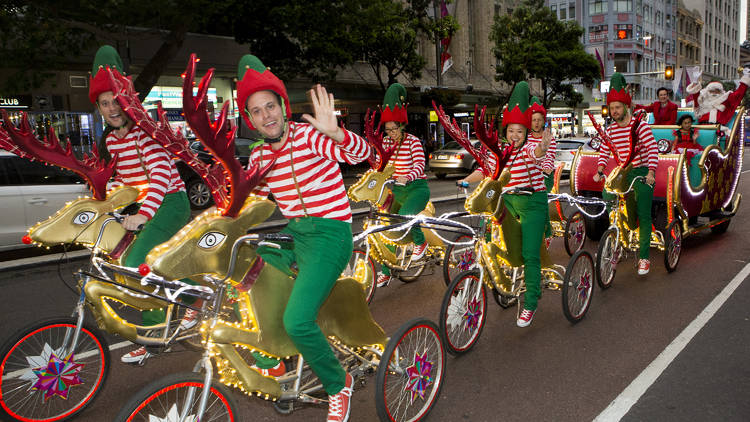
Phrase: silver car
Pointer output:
(31, 192)
(452, 158)
(566, 150)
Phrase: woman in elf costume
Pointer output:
(525, 193)
(410, 192)
(146, 165)
(306, 182)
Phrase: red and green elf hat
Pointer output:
(518, 110)
(618, 90)
(537, 107)
(252, 77)
(99, 81)
(394, 105)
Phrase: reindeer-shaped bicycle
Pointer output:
(391, 248)
(500, 265)
(217, 246)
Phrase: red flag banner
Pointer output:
(601, 63)
(445, 58)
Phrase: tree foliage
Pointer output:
(44, 35)
(532, 44)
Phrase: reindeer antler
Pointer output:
(172, 141)
(380, 156)
(22, 142)
(604, 136)
(217, 140)
(488, 135)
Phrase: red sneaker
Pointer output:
(338, 404)
(189, 319)
(524, 320)
(418, 252)
(275, 372)
(644, 265)
(383, 280)
(136, 356)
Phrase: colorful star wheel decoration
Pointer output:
(466, 260)
(472, 314)
(419, 376)
(583, 286)
(56, 378)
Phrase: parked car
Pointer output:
(452, 158)
(566, 150)
(198, 193)
(31, 192)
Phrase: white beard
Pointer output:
(708, 102)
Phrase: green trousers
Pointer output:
(171, 216)
(533, 212)
(410, 199)
(322, 248)
(640, 200)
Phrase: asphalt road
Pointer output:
(551, 371)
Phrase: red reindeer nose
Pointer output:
(143, 269)
(26, 240)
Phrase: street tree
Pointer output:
(41, 36)
(532, 44)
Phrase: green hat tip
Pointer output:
(248, 61)
(617, 82)
(107, 56)
(394, 96)
(535, 100)
(519, 97)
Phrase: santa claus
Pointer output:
(712, 103)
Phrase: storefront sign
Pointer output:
(15, 101)
(171, 97)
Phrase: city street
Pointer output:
(550, 371)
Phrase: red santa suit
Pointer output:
(721, 108)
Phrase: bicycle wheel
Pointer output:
(165, 399)
(458, 258)
(362, 269)
(607, 257)
(43, 382)
(578, 286)
(463, 312)
(575, 233)
(672, 245)
(411, 372)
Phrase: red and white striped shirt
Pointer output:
(314, 157)
(525, 169)
(646, 152)
(548, 162)
(162, 177)
(408, 157)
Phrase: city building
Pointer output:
(689, 35)
(720, 38)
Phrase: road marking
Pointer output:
(622, 404)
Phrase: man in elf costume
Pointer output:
(410, 192)
(146, 165)
(307, 185)
(538, 119)
(644, 162)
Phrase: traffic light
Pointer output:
(605, 111)
(668, 73)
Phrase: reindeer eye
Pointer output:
(490, 193)
(372, 184)
(84, 217)
(211, 239)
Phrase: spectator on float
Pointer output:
(664, 111)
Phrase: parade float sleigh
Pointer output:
(710, 192)
(500, 268)
(221, 246)
(390, 248)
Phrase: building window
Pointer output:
(571, 10)
(597, 6)
(623, 5)
(563, 13)
(598, 33)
